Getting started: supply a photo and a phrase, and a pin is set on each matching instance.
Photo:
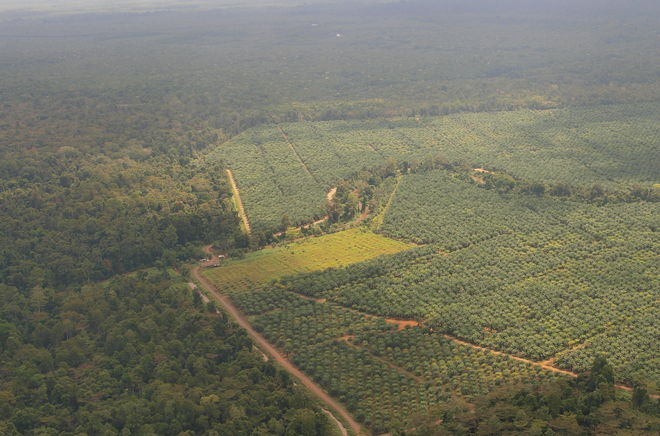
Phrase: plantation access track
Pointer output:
(392, 365)
(239, 202)
(400, 322)
(378, 220)
(543, 365)
(329, 196)
(266, 346)
(300, 159)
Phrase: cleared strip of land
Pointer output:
(239, 202)
(315, 389)
(378, 220)
(300, 159)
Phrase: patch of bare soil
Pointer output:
(331, 194)
(316, 300)
(212, 258)
(401, 323)
(363, 216)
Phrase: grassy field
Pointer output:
(312, 254)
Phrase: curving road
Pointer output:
(268, 348)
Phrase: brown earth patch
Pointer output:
(331, 194)
(482, 170)
(401, 323)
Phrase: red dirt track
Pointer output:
(276, 354)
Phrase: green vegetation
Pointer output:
(384, 375)
(267, 171)
(237, 68)
(610, 147)
(116, 131)
(586, 405)
(74, 212)
(529, 275)
(628, 345)
(138, 355)
(328, 251)
(395, 379)
(553, 277)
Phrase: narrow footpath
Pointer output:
(240, 319)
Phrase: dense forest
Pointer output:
(138, 354)
(72, 216)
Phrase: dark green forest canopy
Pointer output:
(89, 216)
(138, 355)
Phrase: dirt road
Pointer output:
(329, 196)
(511, 356)
(274, 353)
(239, 202)
(339, 424)
(547, 365)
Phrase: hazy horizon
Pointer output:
(11, 10)
(74, 6)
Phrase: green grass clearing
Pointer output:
(312, 254)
